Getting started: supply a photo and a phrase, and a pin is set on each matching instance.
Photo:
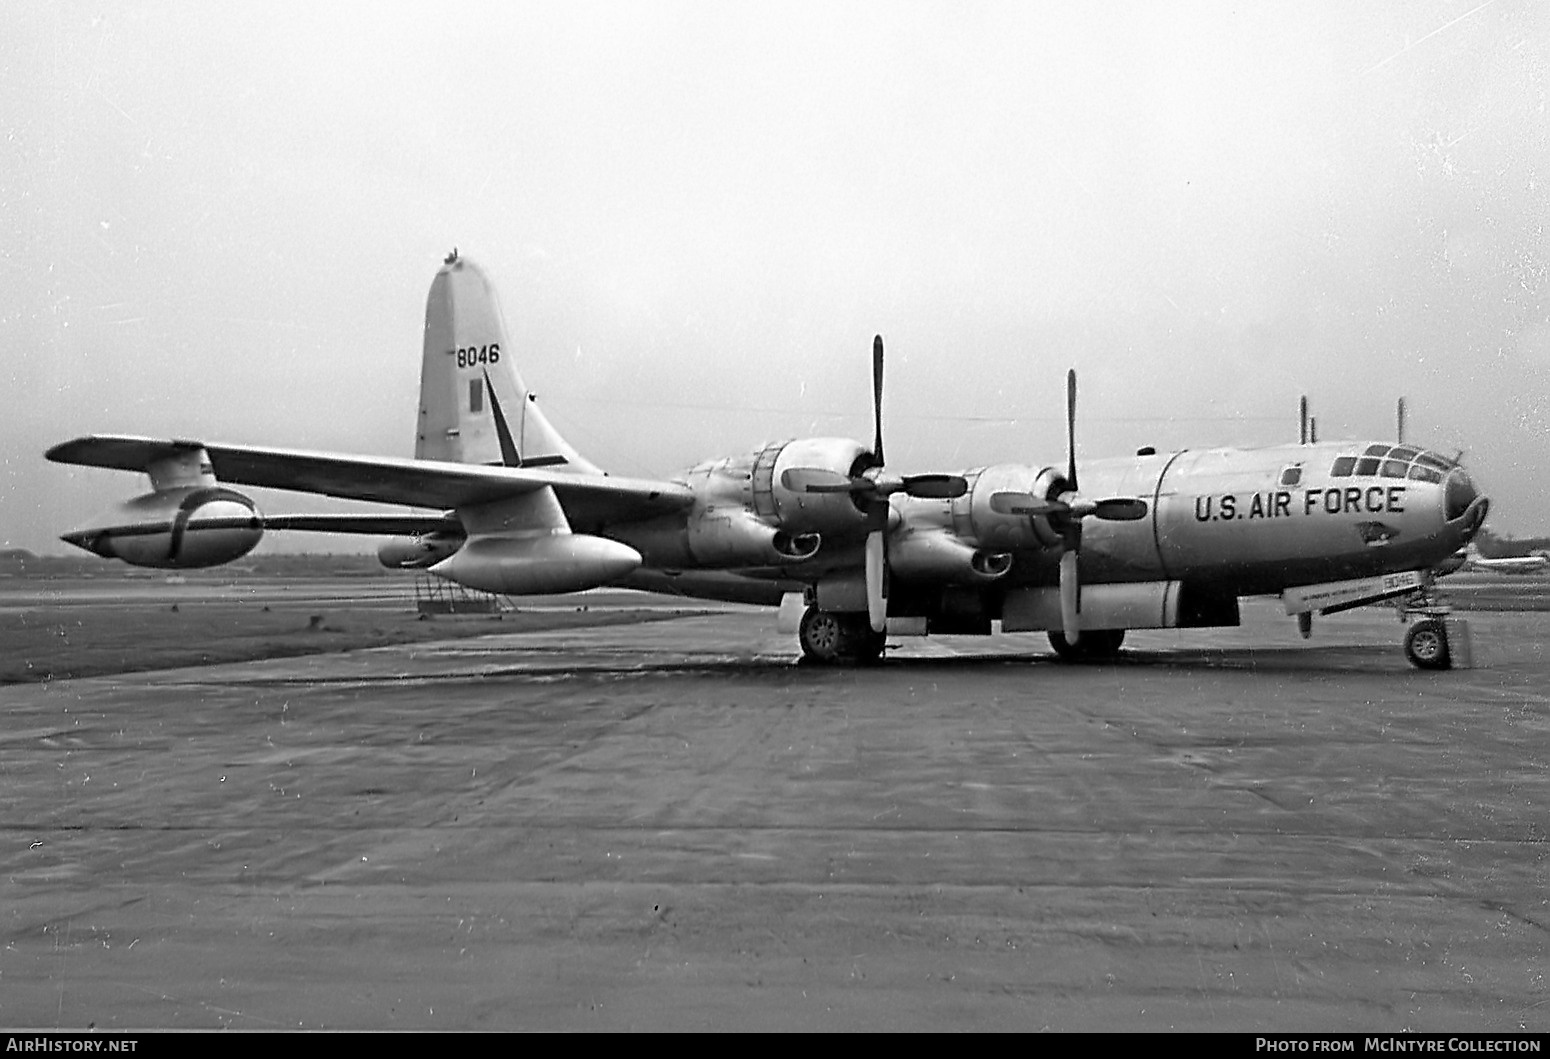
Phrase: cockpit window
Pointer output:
(1393, 461)
(1292, 475)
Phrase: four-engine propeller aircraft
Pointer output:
(1515, 564)
(503, 504)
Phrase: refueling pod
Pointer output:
(184, 528)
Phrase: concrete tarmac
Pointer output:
(675, 826)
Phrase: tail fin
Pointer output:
(474, 407)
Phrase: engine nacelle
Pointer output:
(538, 564)
(800, 511)
(735, 536)
(418, 552)
(940, 556)
(974, 517)
(180, 529)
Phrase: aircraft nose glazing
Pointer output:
(1459, 493)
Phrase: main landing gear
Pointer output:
(839, 639)
(1094, 645)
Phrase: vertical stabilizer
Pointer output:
(474, 407)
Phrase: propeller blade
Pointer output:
(876, 602)
(935, 486)
(1071, 429)
(925, 486)
(1025, 504)
(1120, 509)
(1112, 509)
(818, 480)
(877, 512)
(877, 395)
(1070, 598)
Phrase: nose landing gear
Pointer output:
(1426, 644)
(1432, 641)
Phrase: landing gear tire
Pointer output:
(821, 635)
(1426, 645)
(1093, 645)
(839, 639)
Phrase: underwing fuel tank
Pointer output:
(538, 564)
(184, 528)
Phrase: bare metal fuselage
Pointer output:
(1243, 521)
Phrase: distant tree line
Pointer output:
(19, 562)
(1495, 546)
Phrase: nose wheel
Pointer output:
(1426, 644)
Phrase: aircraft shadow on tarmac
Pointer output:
(1289, 661)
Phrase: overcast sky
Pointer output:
(221, 221)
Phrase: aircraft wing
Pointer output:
(590, 501)
(407, 525)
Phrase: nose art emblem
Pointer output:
(1376, 534)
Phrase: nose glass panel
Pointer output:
(1458, 494)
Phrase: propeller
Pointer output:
(925, 486)
(877, 507)
(1112, 509)
(871, 489)
(1071, 537)
(1067, 513)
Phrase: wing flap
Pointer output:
(589, 500)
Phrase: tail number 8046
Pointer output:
(473, 356)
